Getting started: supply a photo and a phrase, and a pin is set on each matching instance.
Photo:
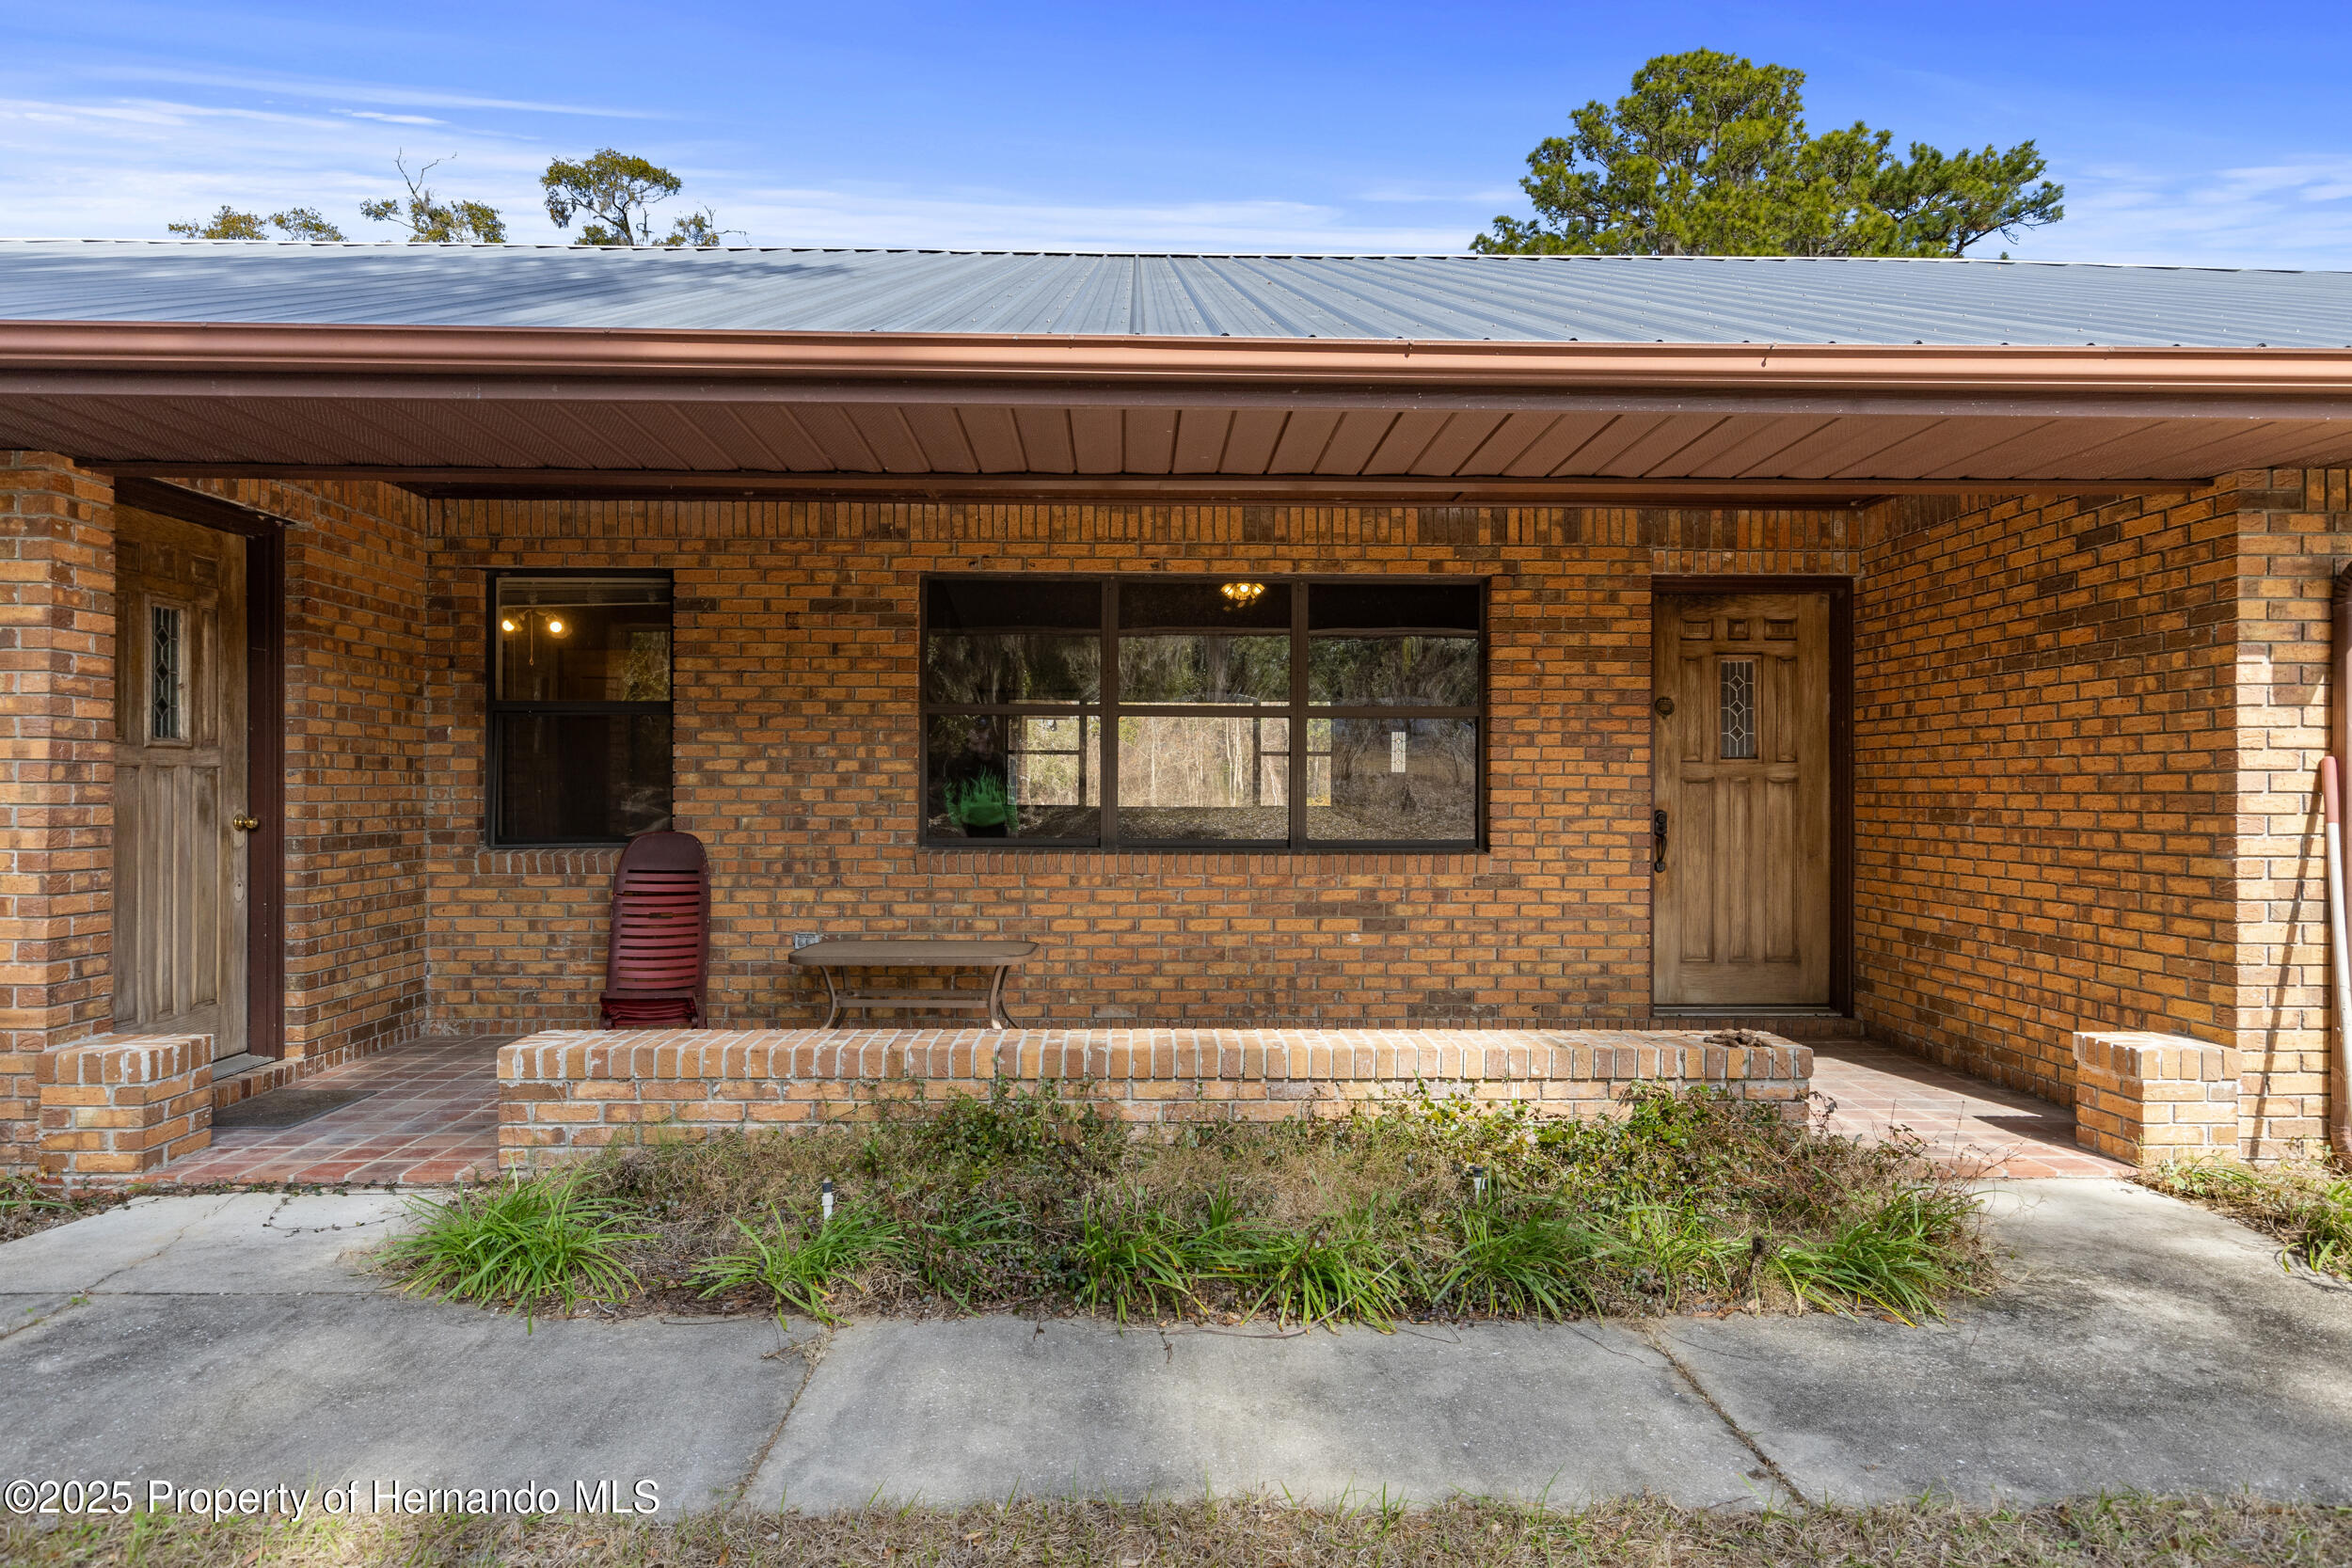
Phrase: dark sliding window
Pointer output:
(1204, 712)
(580, 707)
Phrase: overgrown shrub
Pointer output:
(1024, 1199)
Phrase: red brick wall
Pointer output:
(56, 758)
(2295, 533)
(562, 1093)
(795, 753)
(356, 760)
(2088, 737)
(2044, 739)
(355, 766)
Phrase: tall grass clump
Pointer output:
(797, 1266)
(518, 1245)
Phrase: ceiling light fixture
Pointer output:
(1242, 595)
(506, 623)
(555, 628)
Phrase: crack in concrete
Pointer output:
(79, 1298)
(169, 1242)
(812, 1353)
(1771, 1466)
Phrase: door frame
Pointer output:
(1667, 588)
(265, 737)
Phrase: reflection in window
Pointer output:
(580, 707)
(1414, 780)
(1737, 708)
(1031, 776)
(1188, 779)
(1190, 734)
(1187, 668)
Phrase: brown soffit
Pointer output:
(589, 484)
(114, 350)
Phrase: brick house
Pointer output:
(1934, 648)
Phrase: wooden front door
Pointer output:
(1740, 758)
(180, 819)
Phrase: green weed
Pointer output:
(518, 1245)
(1129, 1256)
(1900, 1257)
(798, 1268)
(1534, 1267)
(1335, 1270)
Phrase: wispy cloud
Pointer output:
(2292, 213)
(337, 89)
(393, 119)
(990, 221)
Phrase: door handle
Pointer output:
(1657, 840)
(245, 824)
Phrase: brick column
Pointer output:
(56, 774)
(2140, 1096)
(114, 1108)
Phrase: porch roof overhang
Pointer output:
(488, 408)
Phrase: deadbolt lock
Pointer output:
(1665, 706)
(245, 824)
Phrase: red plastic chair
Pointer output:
(660, 957)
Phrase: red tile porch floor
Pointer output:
(1968, 1125)
(434, 1118)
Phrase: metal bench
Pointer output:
(916, 953)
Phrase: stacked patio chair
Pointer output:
(660, 959)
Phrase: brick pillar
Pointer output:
(2141, 1097)
(56, 774)
(114, 1108)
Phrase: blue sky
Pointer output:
(2183, 132)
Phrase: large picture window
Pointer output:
(580, 707)
(1204, 712)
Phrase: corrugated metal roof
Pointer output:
(1589, 299)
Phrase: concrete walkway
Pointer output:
(226, 1340)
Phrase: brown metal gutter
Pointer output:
(182, 349)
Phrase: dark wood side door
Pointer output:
(181, 815)
(1741, 900)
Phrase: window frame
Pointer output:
(1106, 710)
(494, 706)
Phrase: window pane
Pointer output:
(1203, 779)
(1213, 605)
(593, 639)
(1409, 780)
(989, 776)
(1380, 606)
(574, 776)
(1377, 671)
(1194, 669)
(1011, 667)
